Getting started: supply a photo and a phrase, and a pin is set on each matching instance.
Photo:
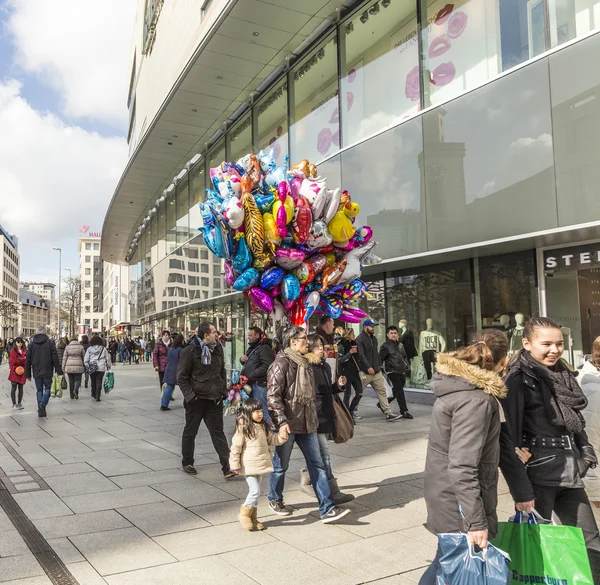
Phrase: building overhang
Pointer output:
(230, 67)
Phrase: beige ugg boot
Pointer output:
(245, 517)
(257, 524)
(305, 484)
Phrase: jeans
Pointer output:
(358, 393)
(309, 445)
(74, 384)
(211, 412)
(397, 381)
(13, 392)
(260, 393)
(167, 394)
(573, 508)
(96, 378)
(429, 576)
(123, 356)
(325, 455)
(43, 386)
(87, 379)
(378, 384)
(253, 482)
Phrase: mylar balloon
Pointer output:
(278, 311)
(255, 229)
(355, 311)
(261, 299)
(264, 202)
(233, 212)
(331, 307)
(242, 258)
(289, 258)
(302, 220)
(305, 273)
(248, 278)
(319, 236)
(272, 236)
(349, 317)
(229, 274)
(311, 302)
(290, 287)
(318, 261)
(332, 274)
(354, 258)
(362, 236)
(272, 277)
(340, 227)
(283, 213)
(332, 206)
(263, 260)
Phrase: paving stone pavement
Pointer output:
(102, 483)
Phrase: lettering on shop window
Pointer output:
(581, 257)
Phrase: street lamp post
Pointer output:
(59, 250)
(71, 326)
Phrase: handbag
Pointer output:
(109, 382)
(19, 370)
(363, 376)
(342, 420)
(63, 383)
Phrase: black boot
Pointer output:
(337, 495)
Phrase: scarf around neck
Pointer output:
(305, 381)
(207, 349)
(563, 397)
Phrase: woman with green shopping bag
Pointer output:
(543, 410)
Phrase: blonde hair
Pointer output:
(347, 332)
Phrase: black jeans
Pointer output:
(211, 412)
(398, 381)
(161, 377)
(428, 361)
(96, 379)
(358, 392)
(13, 392)
(74, 384)
(573, 508)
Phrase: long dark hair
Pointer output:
(244, 418)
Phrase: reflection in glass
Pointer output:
(575, 93)
(315, 129)
(171, 212)
(384, 177)
(216, 156)
(478, 188)
(272, 122)
(381, 51)
(197, 192)
(154, 239)
(183, 206)
(162, 232)
(240, 138)
(570, 19)
(441, 295)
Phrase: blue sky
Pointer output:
(63, 118)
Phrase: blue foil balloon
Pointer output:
(272, 277)
(249, 278)
(332, 307)
(242, 258)
(290, 287)
(264, 202)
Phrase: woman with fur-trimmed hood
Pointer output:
(461, 472)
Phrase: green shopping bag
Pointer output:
(109, 382)
(544, 553)
(55, 386)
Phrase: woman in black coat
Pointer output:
(324, 391)
(348, 367)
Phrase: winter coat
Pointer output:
(281, 391)
(17, 358)
(253, 456)
(526, 418)
(260, 357)
(393, 357)
(99, 355)
(347, 362)
(73, 357)
(160, 355)
(85, 346)
(461, 470)
(42, 359)
(324, 391)
(173, 356)
(112, 347)
(198, 380)
(368, 356)
(589, 378)
(60, 351)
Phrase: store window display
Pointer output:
(431, 342)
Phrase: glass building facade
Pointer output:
(452, 125)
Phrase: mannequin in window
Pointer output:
(407, 339)
(505, 325)
(516, 337)
(431, 342)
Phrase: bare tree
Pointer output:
(9, 312)
(70, 300)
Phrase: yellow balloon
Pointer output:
(271, 235)
(340, 227)
(289, 208)
(330, 257)
(255, 229)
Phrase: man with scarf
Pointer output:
(291, 401)
(202, 380)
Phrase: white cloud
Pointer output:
(81, 49)
(53, 178)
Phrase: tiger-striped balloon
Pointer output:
(255, 228)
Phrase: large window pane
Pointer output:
(240, 138)
(489, 166)
(162, 232)
(380, 51)
(384, 175)
(197, 192)
(570, 19)
(183, 205)
(171, 207)
(217, 155)
(315, 129)
(272, 123)
(575, 91)
(154, 239)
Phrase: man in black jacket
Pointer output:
(368, 361)
(42, 360)
(394, 360)
(256, 361)
(202, 380)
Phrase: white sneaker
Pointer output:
(20, 406)
(15, 407)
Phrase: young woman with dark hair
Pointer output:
(544, 420)
(461, 471)
(97, 362)
(170, 376)
(16, 374)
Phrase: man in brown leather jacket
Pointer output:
(291, 402)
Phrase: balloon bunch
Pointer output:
(238, 392)
(289, 242)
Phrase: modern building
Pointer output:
(466, 131)
(35, 313)
(47, 291)
(9, 279)
(92, 284)
(116, 289)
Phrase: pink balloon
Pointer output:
(275, 291)
(283, 190)
(229, 275)
(349, 317)
(296, 185)
(261, 299)
(355, 311)
(289, 258)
